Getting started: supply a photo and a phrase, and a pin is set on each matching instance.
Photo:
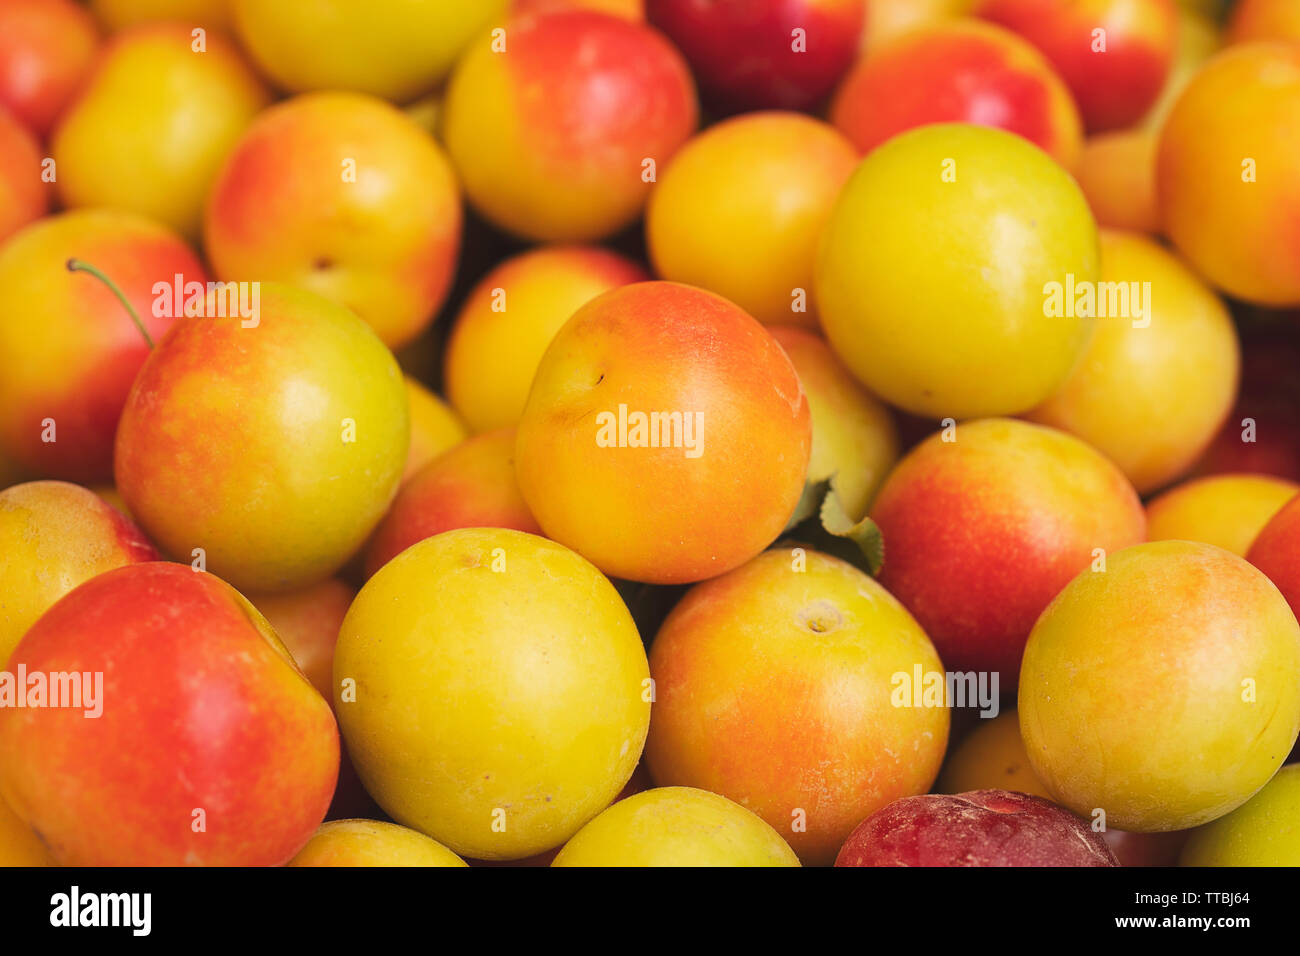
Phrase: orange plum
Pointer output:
(1117, 173)
(1264, 20)
(307, 621)
(855, 440)
(666, 436)
(631, 9)
(888, 19)
(372, 843)
(1224, 510)
(740, 208)
(1228, 172)
(1198, 40)
(1157, 381)
(435, 427)
(991, 757)
(118, 14)
(776, 686)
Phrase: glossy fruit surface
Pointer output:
(666, 436)
(275, 423)
(952, 320)
(242, 780)
(500, 691)
(1187, 625)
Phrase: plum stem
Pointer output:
(77, 265)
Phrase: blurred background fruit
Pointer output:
(396, 49)
(1117, 173)
(1115, 55)
(435, 427)
(46, 49)
(1224, 510)
(19, 844)
(958, 71)
(150, 126)
(631, 9)
(307, 621)
(469, 486)
(1263, 20)
(854, 439)
(550, 148)
(1152, 389)
(991, 757)
(741, 206)
(1229, 161)
(23, 194)
(67, 374)
(341, 194)
(118, 14)
(763, 54)
(510, 318)
(887, 19)
(1198, 39)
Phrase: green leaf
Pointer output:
(821, 520)
(864, 533)
(814, 492)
